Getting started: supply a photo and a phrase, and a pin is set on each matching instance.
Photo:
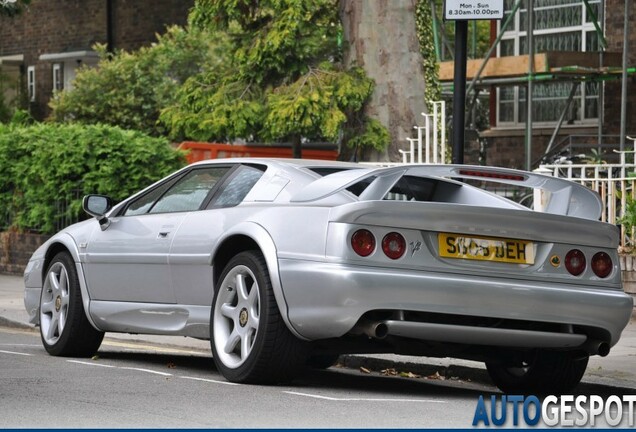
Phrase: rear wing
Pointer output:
(564, 197)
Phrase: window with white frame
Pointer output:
(31, 83)
(58, 77)
(559, 25)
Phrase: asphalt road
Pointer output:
(133, 384)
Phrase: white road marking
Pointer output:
(146, 370)
(15, 353)
(22, 345)
(364, 399)
(91, 364)
(209, 380)
(119, 367)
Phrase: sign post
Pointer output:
(462, 11)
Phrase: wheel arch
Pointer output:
(64, 242)
(252, 236)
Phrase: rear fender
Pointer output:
(265, 243)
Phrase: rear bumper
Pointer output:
(326, 300)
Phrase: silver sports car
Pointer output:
(284, 264)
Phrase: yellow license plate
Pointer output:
(486, 248)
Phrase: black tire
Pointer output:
(542, 372)
(249, 339)
(322, 361)
(64, 328)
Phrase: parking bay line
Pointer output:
(334, 399)
(209, 380)
(15, 353)
(120, 367)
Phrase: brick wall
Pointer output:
(76, 25)
(506, 148)
(16, 249)
(614, 23)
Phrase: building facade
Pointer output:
(576, 91)
(42, 48)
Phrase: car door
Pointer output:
(129, 260)
(190, 253)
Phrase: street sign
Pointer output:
(463, 10)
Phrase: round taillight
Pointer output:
(363, 242)
(575, 262)
(602, 264)
(394, 245)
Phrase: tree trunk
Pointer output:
(382, 39)
(297, 149)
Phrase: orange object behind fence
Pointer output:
(198, 151)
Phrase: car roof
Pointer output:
(280, 162)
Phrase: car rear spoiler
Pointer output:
(564, 197)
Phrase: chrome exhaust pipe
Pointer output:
(373, 329)
(596, 347)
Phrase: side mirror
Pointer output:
(97, 206)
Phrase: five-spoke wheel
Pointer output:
(250, 341)
(64, 328)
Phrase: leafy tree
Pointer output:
(45, 169)
(281, 79)
(130, 89)
(7, 105)
(12, 8)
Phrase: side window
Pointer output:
(239, 185)
(142, 204)
(189, 193)
(185, 193)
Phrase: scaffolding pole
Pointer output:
(530, 38)
(624, 86)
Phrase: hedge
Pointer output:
(45, 169)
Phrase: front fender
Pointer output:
(47, 251)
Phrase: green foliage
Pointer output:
(424, 23)
(373, 134)
(317, 104)
(45, 169)
(7, 105)
(12, 9)
(280, 80)
(628, 218)
(21, 118)
(478, 34)
(130, 89)
(273, 40)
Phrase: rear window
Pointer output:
(408, 188)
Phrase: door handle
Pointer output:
(163, 234)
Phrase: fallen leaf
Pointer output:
(172, 365)
(389, 372)
(436, 376)
(95, 357)
(409, 375)
(364, 370)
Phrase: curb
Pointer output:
(461, 373)
(455, 372)
(5, 322)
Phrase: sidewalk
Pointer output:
(618, 369)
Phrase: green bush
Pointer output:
(129, 90)
(45, 169)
